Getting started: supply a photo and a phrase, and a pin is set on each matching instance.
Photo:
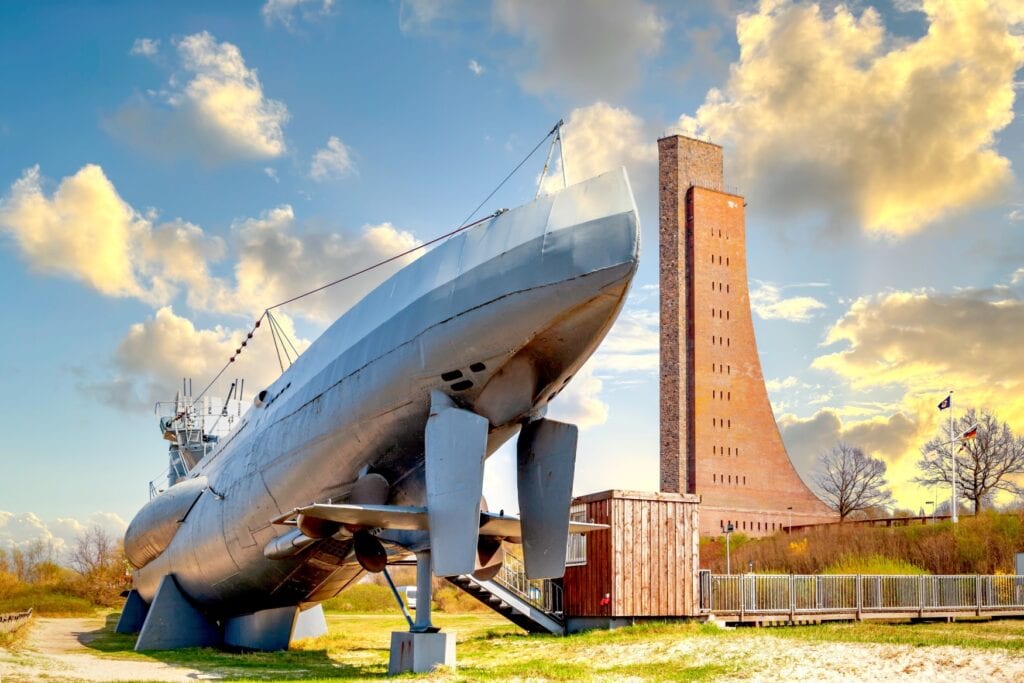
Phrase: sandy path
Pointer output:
(54, 651)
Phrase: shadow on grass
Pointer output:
(226, 665)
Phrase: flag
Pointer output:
(946, 402)
(970, 433)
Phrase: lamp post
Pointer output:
(789, 529)
(728, 560)
(932, 503)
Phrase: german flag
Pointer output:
(971, 433)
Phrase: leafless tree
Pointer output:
(985, 464)
(850, 481)
(99, 559)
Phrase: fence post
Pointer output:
(743, 598)
(977, 591)
(792, 598)
(920, 597)
(860, 597)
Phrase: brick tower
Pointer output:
(719, 438)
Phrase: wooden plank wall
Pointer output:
(647, 561)
(584, 586)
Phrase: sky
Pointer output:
(168, 170)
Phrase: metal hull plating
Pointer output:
(499, 318)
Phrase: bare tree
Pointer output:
(850, 480)
(985, 464)
(99, 558)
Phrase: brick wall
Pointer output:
(719, 438)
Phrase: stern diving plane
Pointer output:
(371, 446)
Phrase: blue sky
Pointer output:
(168, 169)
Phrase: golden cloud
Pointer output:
(827, 111)
(218, 113)
(918, 345)
(601, 138)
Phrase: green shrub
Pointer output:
(363, 597)
(872, 564)
(46, 602)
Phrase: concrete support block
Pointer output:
(274, 629)
(174, 622)
(420, 652)
(133, 616)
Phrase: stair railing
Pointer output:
(544, 594)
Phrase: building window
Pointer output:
(729, 394)
(713, 480)
(744, 480)
(727, 289)
(730, 424)
(728, 369)
(727, 315)
(726, 260)
(730, 450)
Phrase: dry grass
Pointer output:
(977, 545)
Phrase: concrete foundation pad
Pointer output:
(420, 652)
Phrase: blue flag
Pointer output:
(946, 402)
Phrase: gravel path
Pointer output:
(54, 650)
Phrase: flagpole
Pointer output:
(956, 507)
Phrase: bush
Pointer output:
(46, 602)
(452, 600)
(983, 544)
(363, 597)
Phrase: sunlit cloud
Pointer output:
(826, 111)
(214, 110)
(768, 302)
(332, 161)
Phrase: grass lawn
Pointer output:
(490, 648)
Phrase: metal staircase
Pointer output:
(534, 605)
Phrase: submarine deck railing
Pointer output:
(758, 597)
(544, 594)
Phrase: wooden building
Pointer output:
(645, 566)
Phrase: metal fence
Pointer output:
(14, 621)
(859, 594)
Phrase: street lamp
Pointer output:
(932, 503)
(789, 529)
(728, 561)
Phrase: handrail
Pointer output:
(14, 620)
(543, 594)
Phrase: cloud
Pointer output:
(926, 342)
(155, 354)
(333, 161)
(774, 385)
(419, 15)
(631, 346)
(215, 110)
(145, 47)
(271, 173)
(476, 67)
(580, 403)
(18, 530)
(893, 438)
(284, 11)
(912, 347)
(769, 304)
(600, 138)
(827, 112)
(85, 230)
(596, 52)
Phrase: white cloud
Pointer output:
(826, 112)
(596, 51)
(217, 111)
(774, 385)
(580, 402)
(476, 67)
(418, 15)
(284, 12)
(18, 530)
(85, 230)
(333, 161)
(768, 303)
(631, 346)
(145, 47)
(600, 138)
(271, 173)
